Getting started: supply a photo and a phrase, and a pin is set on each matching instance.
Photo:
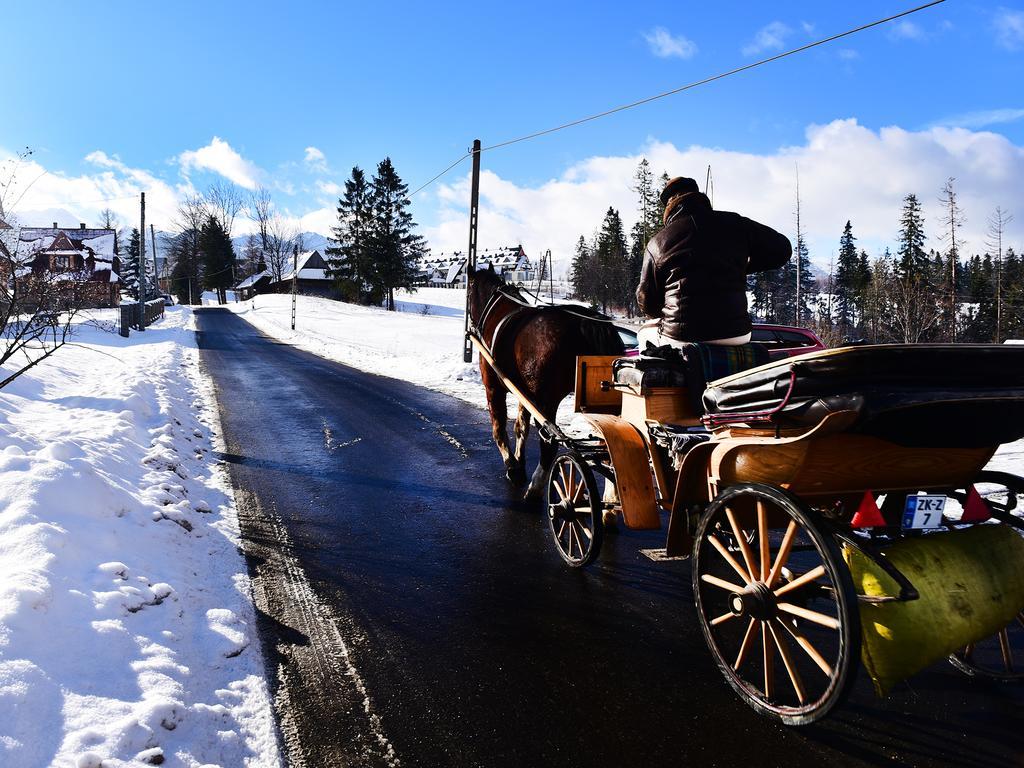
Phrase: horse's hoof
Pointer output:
(516, 476)
(610, 520)
(533, 495)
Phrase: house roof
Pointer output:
(311, 267)
(253, 279)
(98, 243)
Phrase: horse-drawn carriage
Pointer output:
(832, 503)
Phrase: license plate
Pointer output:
(924, 511)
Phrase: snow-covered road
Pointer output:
(127, 635)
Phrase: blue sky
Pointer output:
(150, 85)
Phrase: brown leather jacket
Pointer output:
(694, 275)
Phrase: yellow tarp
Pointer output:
(971, 583)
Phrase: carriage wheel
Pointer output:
(776, 603)
(574, 510)
(1001, 656)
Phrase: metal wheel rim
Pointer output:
(796, 678)
(574, 510)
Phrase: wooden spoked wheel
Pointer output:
(776, 603)
(1001, 656)
(574, 510)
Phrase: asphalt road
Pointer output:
(414, 614)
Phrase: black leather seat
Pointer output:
(935, 395)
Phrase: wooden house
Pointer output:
(83, 258)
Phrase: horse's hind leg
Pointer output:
(522, 432)
(498, 410)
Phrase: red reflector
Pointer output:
(868, 515)
(976, 509)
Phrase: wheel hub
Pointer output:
(756, 601)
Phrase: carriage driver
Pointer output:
(694, 276)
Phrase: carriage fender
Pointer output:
(630, 460)
(971, 585)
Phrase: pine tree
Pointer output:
(395, 248)
(582, 272)
(847, 282)
(184, 283)
(912, 262)
(349, 259)
(611, 257)
(949, 282)
(218, 256)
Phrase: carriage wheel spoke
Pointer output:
(563, 490)
(1020, 618)
(783, 556)
(727, 585)
(576, 536)
(722, 619)
(586, 531)
(800, 581)
(560, 487)
(769, 661)
(811, 651)
(1004, 647)
(787, 662)
(748, 556)
(561, 529)
(748, 639)
(762, 534)
(728, 557)
(578, 491)
(805, 613)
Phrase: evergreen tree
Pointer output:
(395, 248)
(846, 287)
(611, 258)
(185, 258)
(130, 266)
(912, 262)
(583, 271)
(218, 255)
(349, 258)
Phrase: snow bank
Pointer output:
(127, 636)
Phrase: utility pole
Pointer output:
(295, 279)
(156, 273)
(551, 275)
(474, 210)
(142, 264)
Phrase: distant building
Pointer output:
(85, 258)
(313, 279)
(449, 270)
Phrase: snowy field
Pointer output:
(421, 343)
(127, 637)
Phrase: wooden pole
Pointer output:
(142, 263)
(474, 210)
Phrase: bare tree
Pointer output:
(280, 239)
(952, 220)
(223, 202)
(997, 224)
(38, 306)
(261, 209)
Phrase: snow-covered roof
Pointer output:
(253, 279)
(69, 241)
(307, 272)
(512, 258)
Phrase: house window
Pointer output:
(60, 263)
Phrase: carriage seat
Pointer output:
(692, 366)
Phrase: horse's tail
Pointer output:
(601, 338)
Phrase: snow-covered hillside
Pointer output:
(127, 636)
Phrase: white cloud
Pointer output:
(848, 54)
(906, 30)
(665, 45)
(328, 187)
(38, 194)
(847, 171)
(771, 37)
(982, 118)
(316, 160)
(219, 157)
(1009, 28)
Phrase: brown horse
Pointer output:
(536, 348)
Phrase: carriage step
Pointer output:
(659, 556)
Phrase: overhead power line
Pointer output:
(687, 87)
